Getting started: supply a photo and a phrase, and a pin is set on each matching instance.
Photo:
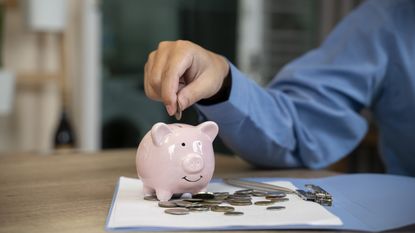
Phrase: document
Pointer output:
(129, 211)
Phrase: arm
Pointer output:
(309, 114)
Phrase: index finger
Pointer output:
(177, 64)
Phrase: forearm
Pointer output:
(248, 124)
(286, 126)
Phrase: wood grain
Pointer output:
(73, 192)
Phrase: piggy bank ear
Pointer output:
(159, 132)
(209, 128)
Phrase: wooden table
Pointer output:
(73, 192)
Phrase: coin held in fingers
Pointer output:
(178, 113)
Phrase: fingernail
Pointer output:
(181, 101)
(169, 109)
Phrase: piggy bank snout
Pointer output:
(193, 163)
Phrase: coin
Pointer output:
(240, 195)
(244, 191)
(233, 213)
(264, 203)
(194, 200)
(195, 205)
(222, 208)
(275, 195)
(221, 197)
(257, 193)
(182, 203)
(275, 207)
(178, 113)
(199, 209)
(278, 199)
(240, 203)
(150, 198)
(167, 204)
(236, 198)
(213, 201)
(209, 205)
(177, 211)
(204, 195)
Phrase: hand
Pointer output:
(183, 72)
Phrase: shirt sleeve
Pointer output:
(309, 115)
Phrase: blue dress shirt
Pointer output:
(309, 115)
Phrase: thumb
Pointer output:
(195, 91)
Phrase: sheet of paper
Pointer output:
(129, 210)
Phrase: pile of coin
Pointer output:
(221, 202)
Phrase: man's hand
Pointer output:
(181, 71)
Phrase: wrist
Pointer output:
(224, 91)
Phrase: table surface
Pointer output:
(72, 192)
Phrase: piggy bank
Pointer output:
(176, 158)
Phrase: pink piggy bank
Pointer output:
(176, 158)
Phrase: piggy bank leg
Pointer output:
(203, 190)
(148, 191)
(163, 195)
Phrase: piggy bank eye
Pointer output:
(183, 144)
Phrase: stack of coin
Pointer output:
(221, 202)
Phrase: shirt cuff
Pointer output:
(232, 110)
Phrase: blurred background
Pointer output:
(71, 71)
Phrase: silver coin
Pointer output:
(257, 193)
(221, 197)
(195, 205)
(194, 200)
(240, 195)
(178, 113)
(233, 213)
(235, 198)
(167, 204)
(182, 203)
(275, 195)
(213, 201)
(150, 198)
(244, 191)
(177, 211)
(278, 199)
(275, 207)
(209, 205)
(222, 208)
(262, 203)
(199, 209)
(240, 203)
(204, 195)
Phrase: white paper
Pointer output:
(131, 211)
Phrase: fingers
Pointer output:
(197, 90)
(150, 82)
(178, 63)
(163, 70)
(182, 71)
(208, 82)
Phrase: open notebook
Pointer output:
(361, 202)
